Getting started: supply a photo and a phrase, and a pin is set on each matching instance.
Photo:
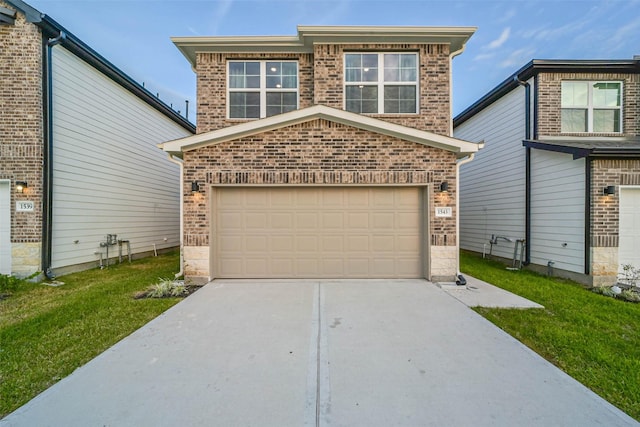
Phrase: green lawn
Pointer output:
(595, 339)
(47, 332)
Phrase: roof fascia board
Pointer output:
(537, 66)
(460, 147)
(308, 36)
(577, 153)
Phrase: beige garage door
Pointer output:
(305, 232)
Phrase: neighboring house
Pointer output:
(561, 167)
(78, 156)
(323, 155)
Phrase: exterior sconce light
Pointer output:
(609, 190)
(21, 185)
(195, 187)
(444, 187)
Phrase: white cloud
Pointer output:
(518, 58)
(484, 56)
(504, 36)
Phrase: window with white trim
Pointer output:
(258, 89)
(381, 83)
(590, 106)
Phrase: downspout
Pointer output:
(587, 216)
(527, 200)
(180, 163)
(47, 195)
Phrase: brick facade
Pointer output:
(321, 79)
(549, 101)
(605, 209)
(318, 152)
(21, 145)
(211, 72)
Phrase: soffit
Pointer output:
(308, 36)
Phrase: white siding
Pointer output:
(5, 227)
(109, 176)
(492, 186)
(629, 249)
(557, 210)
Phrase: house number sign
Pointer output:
(443, 212)
(25, 206)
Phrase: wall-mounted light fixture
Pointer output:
(444, 187)
(195, 187)
(21, 185)
(609, 190)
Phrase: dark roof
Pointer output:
(536, 66)
(50, 28)
(590, 147)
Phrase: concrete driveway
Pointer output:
(319, 353)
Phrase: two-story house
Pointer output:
(78, 155)
(561, 168)
(325, 154)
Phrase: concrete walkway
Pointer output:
(318, 353)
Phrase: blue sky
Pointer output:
(134, 34)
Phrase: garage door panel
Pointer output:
(329, 232)
(332, 220)
(281, 220)
(307, 244)
(358, 220)
(282, 243)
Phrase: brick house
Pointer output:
(78, 156)
(325, 154)
(561, 167)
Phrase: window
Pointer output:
(591, 106)
(262, 88)
(381, 83)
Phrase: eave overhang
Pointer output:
(459, 147)
(611, 149)
(537, 66)
(308, 36)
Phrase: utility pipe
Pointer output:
(47, 194)
(527, 198)
(180, 163)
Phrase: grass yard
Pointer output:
(595, 339)
(47, 332)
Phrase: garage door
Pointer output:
(629, 249)
(305, 232)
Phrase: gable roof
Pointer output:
(458, 146)
(307, 36)
(52, 29)
(536, 66)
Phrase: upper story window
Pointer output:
(258, 89)
(591, 106)
(381, 83)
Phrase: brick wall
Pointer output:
(321, 82)
(21, 130)
(605, 209)
(320, 153)
(434, 115)
(549, 99)
(211, 69)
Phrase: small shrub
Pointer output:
(630, 295)
(629, 276)
(167, 288)
(604, 290)
(9, 284)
